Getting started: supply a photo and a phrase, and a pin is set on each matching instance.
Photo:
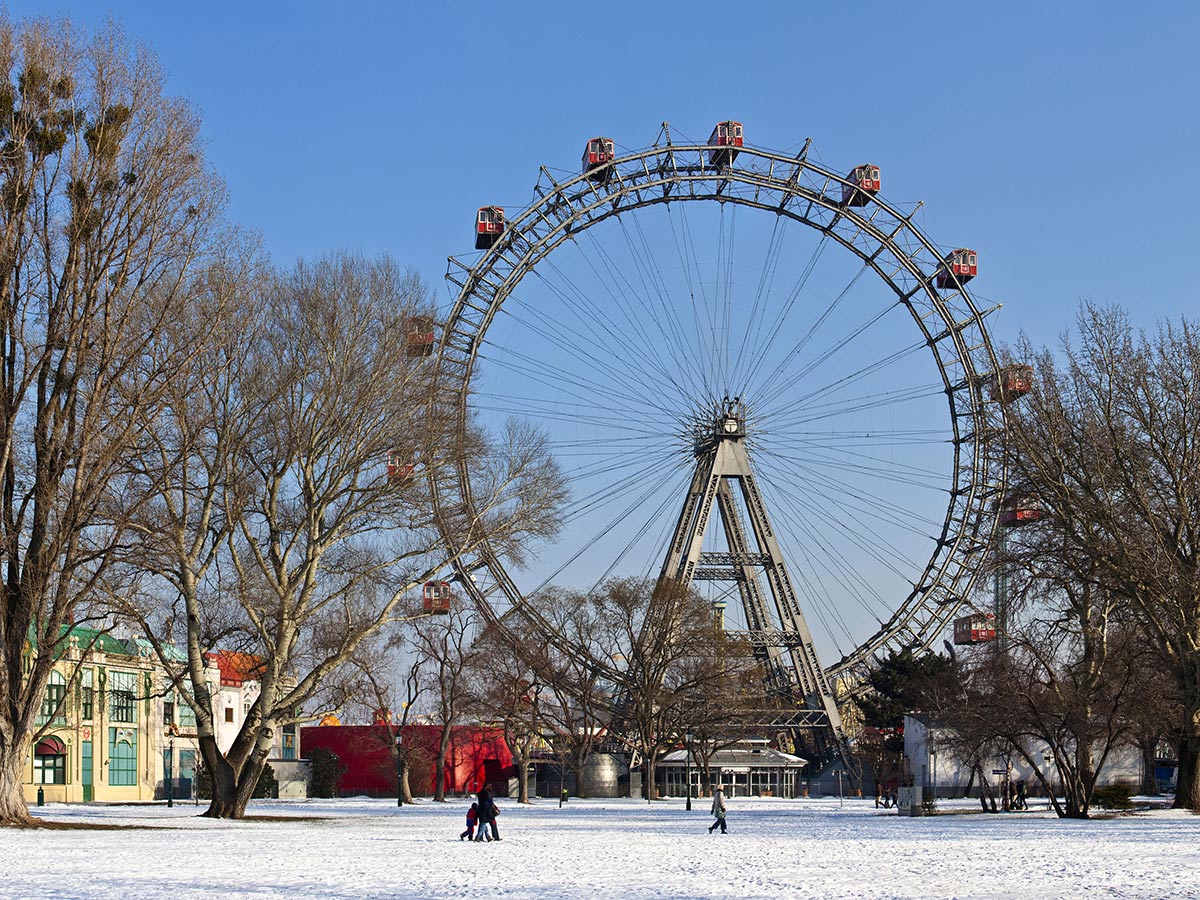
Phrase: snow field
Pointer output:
(361, 849)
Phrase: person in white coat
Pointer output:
(718, 811)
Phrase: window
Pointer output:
(121, 697)
(229, 714)
(87, 697)
(169, 709)
(52, 704)
(187, 715)
(50, 769)
(122, 757)
(289, 741)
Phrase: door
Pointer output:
(85, 749)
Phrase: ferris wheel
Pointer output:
(759, 377)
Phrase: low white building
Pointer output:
(750, 768)
(935, 766)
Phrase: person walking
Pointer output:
(718, 810)
(472, 818)
(487, 815)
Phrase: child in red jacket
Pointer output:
(472, 818)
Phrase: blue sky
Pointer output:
(1059, 139)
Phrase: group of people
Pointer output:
(481, 818)
(1018, 794)
(885, 799)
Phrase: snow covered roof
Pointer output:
(741, 757)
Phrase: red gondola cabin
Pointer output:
(1021, 509)
(489, 225)
(437, 597)
(398, 467)
(725, 139)
(597, 156)
(864, 184)
(419, 340)
(959, 268)
(975, 629)
(1011, 382)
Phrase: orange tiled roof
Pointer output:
(237, 667)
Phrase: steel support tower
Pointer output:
(777, 630)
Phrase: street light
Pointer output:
(933, 754)
(170, 773)
(687, 768)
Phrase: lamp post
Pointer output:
(933, 754)
(170, 773)
(687, 769)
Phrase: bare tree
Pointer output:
(503, 669)
(575, 696)
(289, 534)
(382, 682)
(445, 648)
(107, 214)
(667, 637)
(1110, 442)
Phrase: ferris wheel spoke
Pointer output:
(824, 412)
(602, 532)
(838, 347)
(878, 469)
(818, 556)
(663, 311)
(597, 323)
(837, 568)
(654, 345)
(845, 381)
(586, 392)
(802, 502)
(768, 385)
(853, 497)
(581, 347)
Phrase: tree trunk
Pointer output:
(221, 777)
(522, 764)
(405, 785)
(439, 788)
(13, 808)
(578, 761)
(651, 768)
(248, 781)
(1187, 779)
(1149, 786)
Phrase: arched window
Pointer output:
(50, 762)
(122, 757)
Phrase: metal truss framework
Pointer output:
(884, 238)
(794, 672)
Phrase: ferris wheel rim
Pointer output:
(566, 208)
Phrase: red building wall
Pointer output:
(476, 756)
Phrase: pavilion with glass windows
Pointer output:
(747, 768)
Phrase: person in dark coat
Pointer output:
(487, 815)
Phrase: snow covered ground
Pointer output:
(362, 849)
